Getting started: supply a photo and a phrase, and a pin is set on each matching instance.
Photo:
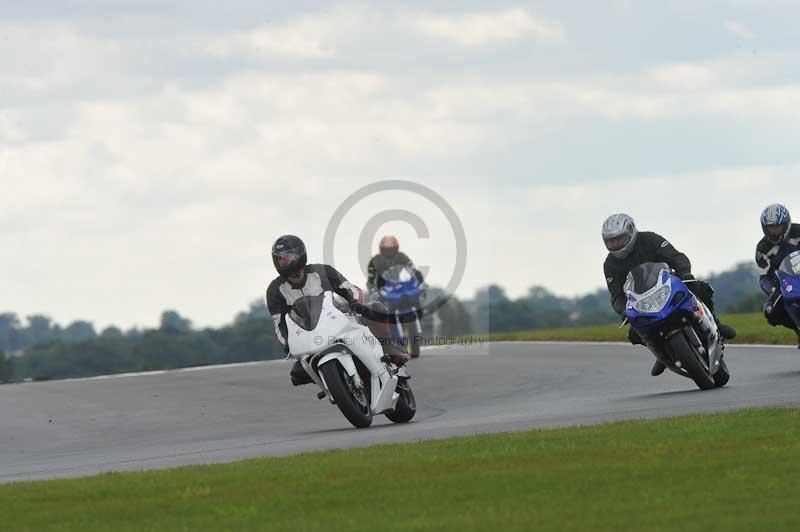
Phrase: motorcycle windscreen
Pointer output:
(307, 310)
(645, 276)
(791, 264)
(398, 274)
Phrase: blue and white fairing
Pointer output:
(654, 295)
(789, 278)
(675, 325)
(402, 293)
(401, 289)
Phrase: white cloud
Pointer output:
(312, 36)
(729, 86)
(150, 197)
(488, 27)
(350, 29)
(712, 216)
(10, 130)
(684, 76)
(740, 30)
(43, 59)
(145, 162)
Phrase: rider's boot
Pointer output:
(635, 339)
(658, 366)
(726, 331)
(797, 332)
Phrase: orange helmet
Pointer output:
(389, 247)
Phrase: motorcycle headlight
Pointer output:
(654, 302)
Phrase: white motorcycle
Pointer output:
(346, 361)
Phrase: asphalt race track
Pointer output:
(224, 413)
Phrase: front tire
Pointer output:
(414, 350)
(412, 347)
(722, 375)
(406, 406)
(690, 361)
(356, 410)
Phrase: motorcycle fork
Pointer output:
(315, 377)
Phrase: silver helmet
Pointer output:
(619, 235)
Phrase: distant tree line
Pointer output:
(492, 310)
(41, 349)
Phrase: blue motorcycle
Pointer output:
(789, 277)
(403, 294)
(676, 326)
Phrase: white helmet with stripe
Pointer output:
(776, 222)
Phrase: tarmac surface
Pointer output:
(211, 414)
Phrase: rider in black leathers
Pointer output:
(781, 238)
(389, 255)
(629, 248)
(297, 279)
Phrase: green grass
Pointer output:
(752, 329)
(735, 472)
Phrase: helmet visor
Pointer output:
(388, 253)
(287, 257)
(775, 232)
(617, 243)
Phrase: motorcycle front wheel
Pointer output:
(406, 406)
(352, 402)
(690, 361)
(722, 375)
(412, 347)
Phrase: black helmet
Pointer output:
(776, 222)
(289, 255)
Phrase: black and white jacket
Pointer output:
(319, 278)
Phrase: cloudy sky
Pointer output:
(150, 152)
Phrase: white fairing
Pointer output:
(332, 323)
(337, 328)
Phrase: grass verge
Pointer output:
(734, 471)
(751, 328)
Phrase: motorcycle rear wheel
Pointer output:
(358, 414)
(690, 361)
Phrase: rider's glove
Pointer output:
(358, 308)
(687, 277)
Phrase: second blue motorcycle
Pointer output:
(403, 294)
(789, 278)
